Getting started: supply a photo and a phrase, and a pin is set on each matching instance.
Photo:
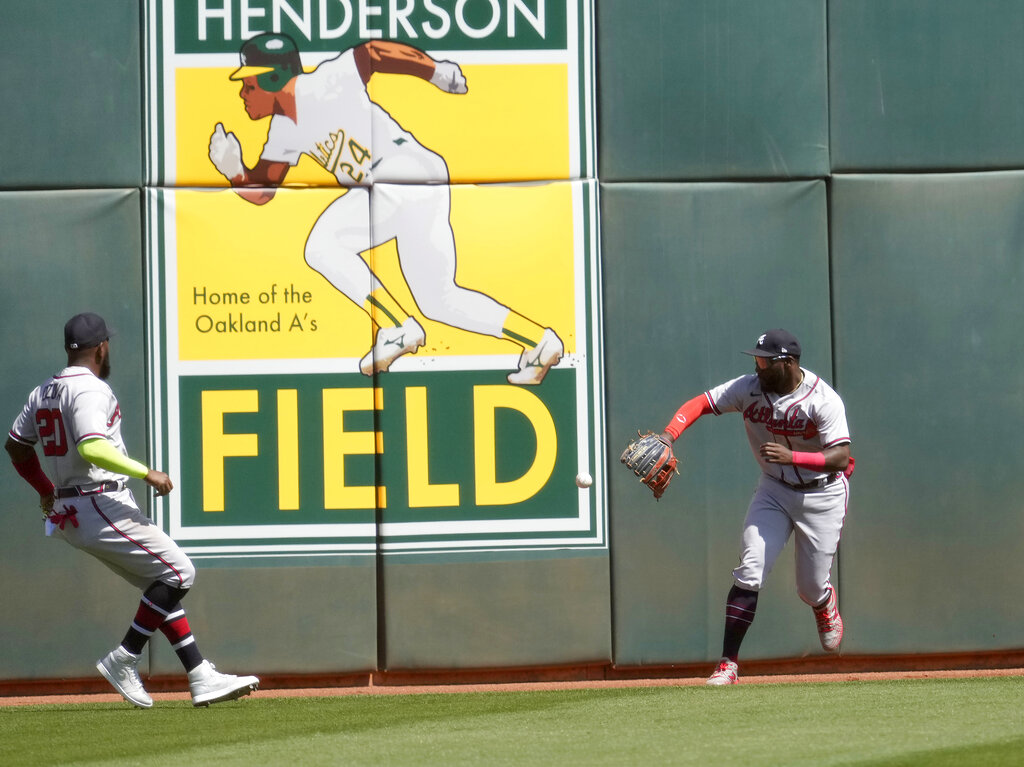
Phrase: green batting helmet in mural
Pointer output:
(272, 58)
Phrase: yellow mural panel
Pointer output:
(245, 291)
(511, 125)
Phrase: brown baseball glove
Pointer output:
(651, 458)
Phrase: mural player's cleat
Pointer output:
(726, 673)
(208, 685)
(535, 363)
(391, 344)
(830, 623)
(121, 669)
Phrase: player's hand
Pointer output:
(448, 77)
(46, 504)
(226, 153)
(776, 453)
(159, 482)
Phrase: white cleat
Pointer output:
(121, 669)
(535, 363)
(392, 343)
(208, 685)
(726, 673)
(830, 623)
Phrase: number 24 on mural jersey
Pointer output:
(330, 158)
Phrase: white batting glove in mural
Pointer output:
(226, 153)
(448, 77)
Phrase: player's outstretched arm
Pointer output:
(690, 411)
(401, 59)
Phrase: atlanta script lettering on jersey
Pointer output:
(794, 424)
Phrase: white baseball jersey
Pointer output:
(344, 131)
(70, 407)
(809, 419)
(335, 119)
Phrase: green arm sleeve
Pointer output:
(103, 453)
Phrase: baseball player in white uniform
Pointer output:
(796, 425)
(75, 418)
(398, 189)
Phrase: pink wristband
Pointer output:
(809, 460)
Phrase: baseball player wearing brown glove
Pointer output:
(796, 426)
(651, 458)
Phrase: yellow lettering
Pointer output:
(421, 492)
(339, 443)
(486, 400)
(218, 446)
(288, 449)
(342, 444)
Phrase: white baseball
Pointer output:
(584, 480)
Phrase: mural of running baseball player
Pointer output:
(397, 189)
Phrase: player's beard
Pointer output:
(105, 367)
(771, 380)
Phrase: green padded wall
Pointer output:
(927, 278)
(693, 274)
(284, 620)
(499, 613)
(706, 89)
(72, 94)
(62, 253)
(925, 84)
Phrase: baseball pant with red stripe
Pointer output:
(110, 527)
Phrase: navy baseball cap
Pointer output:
(776, 343)
(83, 331)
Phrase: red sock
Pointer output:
(148, 619)
(179, 634)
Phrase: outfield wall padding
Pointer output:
(920, 85)
(490, 614)
(704, 90)
(693, 274)
(63, 252)
(927, 273)
(72, 90)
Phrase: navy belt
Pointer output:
(816, 484)
(110, 486)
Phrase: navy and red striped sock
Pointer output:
(160, 608)
(179, 634)
(148, 618)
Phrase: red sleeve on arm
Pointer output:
(687, 414)
(32, 472)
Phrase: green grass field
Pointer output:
(930, 722)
